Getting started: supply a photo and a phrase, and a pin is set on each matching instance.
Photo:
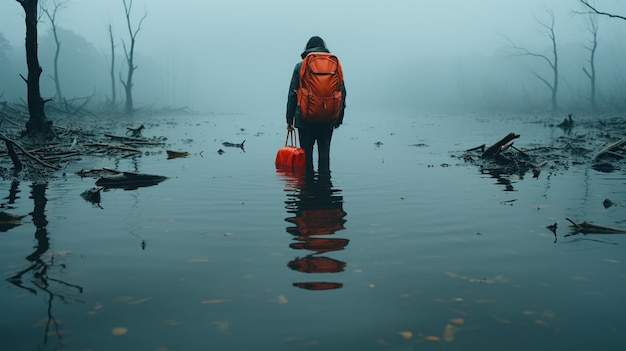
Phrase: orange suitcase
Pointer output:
(290, 156)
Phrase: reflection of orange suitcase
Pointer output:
(290, 156)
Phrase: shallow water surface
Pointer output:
(406, 247)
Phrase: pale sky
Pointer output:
(185, 32)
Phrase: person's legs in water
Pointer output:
(323, 136)
(307, 140)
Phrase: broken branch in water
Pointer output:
(613, 150)
(590, 228)
(497, 147)
(31, 156)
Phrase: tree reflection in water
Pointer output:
(316, 210)
(36, 278)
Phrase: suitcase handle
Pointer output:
(292, 134)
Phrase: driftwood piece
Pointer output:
(238, 145)
(175, 154)
(134, 132)
(590, 228)
(134, 140)
(128, 180)
(92, 195)
(16, 160)
(31, 156)
(612, 150)
(116, 147)
(479, 147)
(496, 148)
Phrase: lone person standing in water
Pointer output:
(316, 102)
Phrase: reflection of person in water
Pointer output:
(317, 210)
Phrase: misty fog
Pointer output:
(238, 55)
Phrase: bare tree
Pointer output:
(129, 52)
(51, 14)
(112, 69)
(38, 124)
(591, 73)
(553, 62)
(594, 10)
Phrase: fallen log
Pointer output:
(129, 180)
(590, 228)
(496, 148)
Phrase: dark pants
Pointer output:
(322, 134)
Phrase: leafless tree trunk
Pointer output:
(591, 73)
(129, 52)
(38, 124)
(52, 16)
(112, 70)
(553, 62)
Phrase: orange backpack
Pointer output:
(320, 92)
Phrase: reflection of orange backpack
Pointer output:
(320, 92)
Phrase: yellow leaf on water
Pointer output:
(406, 334)
(458, 321)
(119, 331)
(433, 338)
(282, 299)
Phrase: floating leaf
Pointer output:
(458, 321)
(282, 299)
(433, 338)
(119, 331)
(406, 334)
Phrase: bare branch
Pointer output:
(592, 8)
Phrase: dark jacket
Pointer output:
(293, 111)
